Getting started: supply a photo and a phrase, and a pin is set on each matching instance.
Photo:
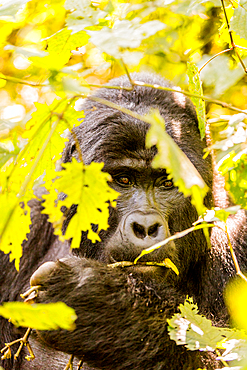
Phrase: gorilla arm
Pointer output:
(121, 320)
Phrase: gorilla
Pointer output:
(122, 312)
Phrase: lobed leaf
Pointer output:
(87, 187)
(197, 333)
(14, 217)
(59, 48)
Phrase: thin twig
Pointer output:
(69, 365)
(79, 365)
(20, 81)
(233, 255)
(234, 258)
(216, 55)
(220, 358)
(205, 98)
(29, 291)
(157, 87)
(234, 47)
(128, 74)
(23, 341)
(240, 59)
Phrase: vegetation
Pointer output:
(53, 53)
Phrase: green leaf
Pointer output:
(236, 299)
(12, 7)
(237, 181)
(45, 145)
(171, 157)
(220, 214)
(59, 48)
(51, 316)
(195, 331)
(82, 14)
(195, 87)
(124, 34)
(87, 187)
(6, 154)
(45, 140)
(239, 20)
(14, 226)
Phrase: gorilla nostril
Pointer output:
(153, 230)
(139, 230)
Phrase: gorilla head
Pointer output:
(150, 208)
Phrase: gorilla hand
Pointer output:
(116, 312)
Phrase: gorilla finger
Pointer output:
(42, 273)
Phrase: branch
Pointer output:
(23, 341)
(20, 81)
(233, 45)
(140, 83)
(128, 74)
(158, 87)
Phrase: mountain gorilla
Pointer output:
(122, 311)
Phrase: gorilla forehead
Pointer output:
(108, 127)
(107, 133)
(124, 137)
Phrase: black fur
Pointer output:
(122, 312)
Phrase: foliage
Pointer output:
(171, 157)
(53, 53)
(40, 316)
(92, 195)
(197, 333)
(195, 86)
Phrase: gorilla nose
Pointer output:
(145, 230)
(141, 231)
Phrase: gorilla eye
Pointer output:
(165, 183)
(123, 180)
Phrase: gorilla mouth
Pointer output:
(153, 271)
(166, 264)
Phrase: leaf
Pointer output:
(171, 265)
(14, 226)
(12, 7)
(124, 34)
(44, 132)
(5, 154)
(237, 181)
(171, 157)
(59, 47)
(83, 14)
(220, 214)
(45, 140)
(195, 331)
(195, 87)
(239, 20)
(87, 187)
(50, 316)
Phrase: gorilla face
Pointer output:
(150, 208)
(142, 210)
